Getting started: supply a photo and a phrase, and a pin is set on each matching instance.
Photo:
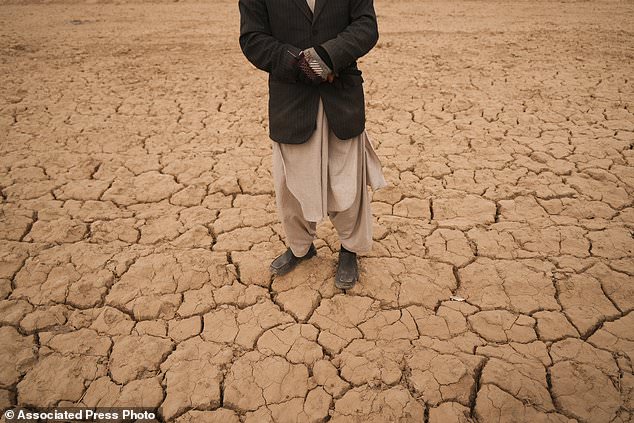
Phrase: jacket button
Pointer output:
(315, 32)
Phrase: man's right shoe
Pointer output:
(287, 261)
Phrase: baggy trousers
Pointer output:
(326, 176)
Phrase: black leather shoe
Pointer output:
(287, 261)
(347, 269)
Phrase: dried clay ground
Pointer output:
(138, 220)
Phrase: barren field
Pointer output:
(138, 220)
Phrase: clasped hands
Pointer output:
(310, 68)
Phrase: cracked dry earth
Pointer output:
(138, 220)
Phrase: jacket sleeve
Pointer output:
(258, 44)
(357, 39)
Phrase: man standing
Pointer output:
(322, 157)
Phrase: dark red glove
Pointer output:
(306, 73)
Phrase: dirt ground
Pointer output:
(138, 220)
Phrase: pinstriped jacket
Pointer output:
(270, 30)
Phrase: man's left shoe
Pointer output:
(347, 270)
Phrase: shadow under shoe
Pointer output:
(287, 261)
(347, 269)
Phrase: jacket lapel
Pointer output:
(304, 7)
(319, 5)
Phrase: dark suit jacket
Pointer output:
(346, 29)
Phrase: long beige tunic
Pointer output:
(323, 173)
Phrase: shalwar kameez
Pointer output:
(326, 176)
